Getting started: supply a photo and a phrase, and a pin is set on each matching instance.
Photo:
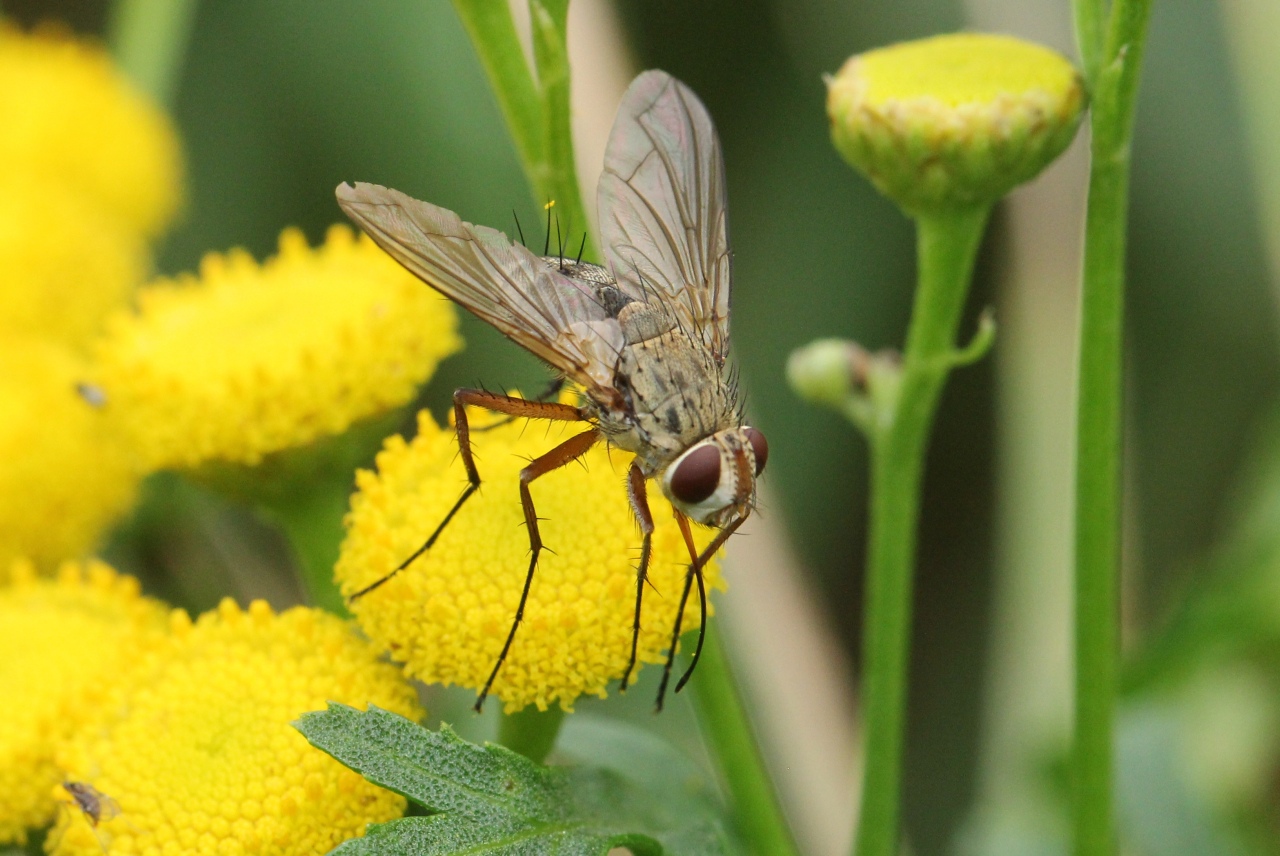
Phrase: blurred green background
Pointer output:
(278, 102)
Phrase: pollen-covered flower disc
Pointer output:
(71, 118)
(250, 359)
(68, 472)
(67, 645)
(67, 262)
(447, 615)
(204, 760)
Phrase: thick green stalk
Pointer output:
(728, 731)
(494, 36)
(531, 732)
(550, 51)
(947, 247)
(1099, 431)
(149, 39)
(537, 111)
(312, 522)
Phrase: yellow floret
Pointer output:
(70, 118)
(251, 359)
(67, 472)
(66, 262)
(67, 645)
(204, 759)
(447, 615)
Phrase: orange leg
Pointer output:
(507, 404)
(568, 451)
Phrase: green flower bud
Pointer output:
(953, 121)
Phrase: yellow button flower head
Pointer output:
(67, 472)
(251, 359)
(66, 261)
(66, 645)
(70, 118)
(955, 120)
(447, 615)
(204, 760)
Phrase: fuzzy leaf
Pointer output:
(490, 800)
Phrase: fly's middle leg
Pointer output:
(640, 507)
(567, 452)
(462, 399)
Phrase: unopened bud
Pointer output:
(954, 121)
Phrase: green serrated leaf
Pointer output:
(490, 800)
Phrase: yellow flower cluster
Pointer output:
(204, 760)
(66, 645)
(91, 173)
(447, 615)
(250, 359)
(71, 119)
(67, 472)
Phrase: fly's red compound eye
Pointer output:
(760, 446)
(697, 475)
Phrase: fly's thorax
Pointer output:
(714, 480)
(675, 396)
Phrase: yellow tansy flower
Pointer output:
(66, 261)
(204, 759)
(448, 614)
(67, 472)
(70, 118)
(954, 120)
(251, 359)
(66, 645)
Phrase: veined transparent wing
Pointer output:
(554, 317)
(662, 205)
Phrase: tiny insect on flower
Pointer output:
(646, 337)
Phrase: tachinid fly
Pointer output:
(646, 336)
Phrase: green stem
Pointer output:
(947, 247)
(312, 521)
(728, 731)
(149, 39)
(537, 112)
(1089, 17)
(494, 35)
(1099, 431)
(531, 732)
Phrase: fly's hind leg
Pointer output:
(463, 398)
(568, 451)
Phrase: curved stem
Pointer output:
(1099, 430)
(149, 39)
(728, 732)
(899, 437)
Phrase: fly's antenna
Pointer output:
(581, 247)
(546, 242)
(519, 231)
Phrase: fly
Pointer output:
(645, 336)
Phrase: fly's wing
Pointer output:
(663, 208)
(546, 313)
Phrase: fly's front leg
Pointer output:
(462, 399)
(568, 451)
(639, 507)
(696, 563)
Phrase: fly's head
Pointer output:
(714, 480)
